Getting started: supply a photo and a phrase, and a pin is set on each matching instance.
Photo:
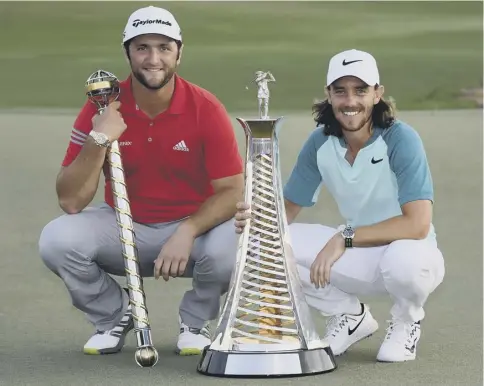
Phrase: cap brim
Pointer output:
(369, 80)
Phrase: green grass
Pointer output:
(427, 51)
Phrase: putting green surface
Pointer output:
(42, 334)
(427, 51)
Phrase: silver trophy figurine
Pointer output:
(262, 78)
(265, 328)
(102, 88)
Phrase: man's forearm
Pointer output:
(385, 232)
(77, 183)
(217, 209)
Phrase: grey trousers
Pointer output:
(84, 250)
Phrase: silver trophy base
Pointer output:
(257, 364)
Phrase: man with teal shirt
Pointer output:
(376, 169)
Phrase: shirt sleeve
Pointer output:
(305, 180)
(408, 161)
(80, 130)
(221, 151)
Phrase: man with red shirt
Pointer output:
(184, 177)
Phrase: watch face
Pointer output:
(348, 233)
(100, 138)
(103, 137)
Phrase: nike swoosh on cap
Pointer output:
(345, 63)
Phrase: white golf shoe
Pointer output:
(110, 341)
(192, 341)
(400, 343)
(342, 331)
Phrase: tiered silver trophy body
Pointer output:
(265, 328)
(102, 88)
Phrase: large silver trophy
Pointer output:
(265, 328)
(102, 88)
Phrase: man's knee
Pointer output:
(307, 241)
(58, 238)
(414, 265)
(219, 253)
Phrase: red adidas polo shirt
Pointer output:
(168, 161)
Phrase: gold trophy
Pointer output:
(265, 328)
(102, 88)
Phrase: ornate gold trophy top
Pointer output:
(102, 88)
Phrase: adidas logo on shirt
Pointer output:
(181, 146)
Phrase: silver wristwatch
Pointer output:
(100, 139)
(348, 234)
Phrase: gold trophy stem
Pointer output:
(146, 355)
(102, 88)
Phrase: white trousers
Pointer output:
(406, 270)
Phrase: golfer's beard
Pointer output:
(140, 77)
(360, 126)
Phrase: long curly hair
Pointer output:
(383, 115)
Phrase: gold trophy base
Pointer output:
(146, 357)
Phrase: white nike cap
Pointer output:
(152, 20)
(353, 63)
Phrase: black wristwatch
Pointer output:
(348, 234)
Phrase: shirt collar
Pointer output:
(374, 136)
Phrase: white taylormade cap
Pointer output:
(152, 20)
(353, 63)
